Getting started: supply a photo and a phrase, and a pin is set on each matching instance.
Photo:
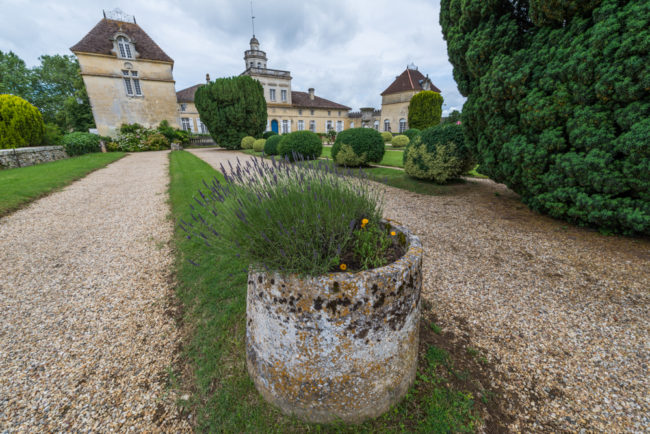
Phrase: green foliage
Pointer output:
(558, 103)
(412, 133)
(271, 145)
(454, 117)
(294, 218)
(347, 157)
(258, 145)
(156, 141)
(173, 135)
(439, 165)
(53, 136)
(268, 134)
(331, 136)
(425, 109)
(400, 141)
(247, 142)
(304, 143)
(79, 143)
(131, 128)
(363, 141)
(370, 244)
(232, 108)
(21, 124)
(136, 138)
(386, 136)
(445, 134)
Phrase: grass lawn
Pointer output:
(224, 399)
(26, 184)
(391, 157)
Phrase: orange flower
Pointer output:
(343, 267)
(393, 233)
(364, 222)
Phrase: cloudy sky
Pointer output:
(349, 51)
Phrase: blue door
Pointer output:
(274, 126)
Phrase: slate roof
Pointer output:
(98, 40)
(187, 95)
(408, 80)
(301, 99)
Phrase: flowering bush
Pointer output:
(295, 218)
(136, 138)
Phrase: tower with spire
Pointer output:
(255, 58)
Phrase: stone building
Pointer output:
(188, 114)
(128, 77)
(396, 98)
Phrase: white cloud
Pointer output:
(349, 51)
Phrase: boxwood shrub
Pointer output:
(268, 134)
(80, 143)
(400, 141)
(303, 143)
(412, 133)
(21, 124)
(258, 145)
(362, 141)
(247, 142)
(387, 136)
(271, 145)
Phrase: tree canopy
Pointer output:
(558, 103)
(232, 108)
(55, 87)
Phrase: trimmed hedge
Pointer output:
(412, 133)
(400, 141)
(271, 145)
(303, 143)
(425, 109)
(362, 141)
(258, 145)
(247, 142)
(386, 136)
(268, 134)
(79, 143)
(21, 124)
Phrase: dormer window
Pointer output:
(124, 47)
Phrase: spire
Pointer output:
(252, 19)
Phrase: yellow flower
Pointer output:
(343, 267)
(364, 222)
(393, 233)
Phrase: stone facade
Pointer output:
(21, 157)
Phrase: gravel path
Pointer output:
(86, 334)
(560, 311)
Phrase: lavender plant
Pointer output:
(294, 218)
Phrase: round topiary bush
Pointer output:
(258, 145)
(386, 136)
(79, 143)
(363, 141)
(271, 145)
(21, 124)
(247, 142)
(268, 134)
(412, 133)
(400, 141)
(303, 143)
(438, 153)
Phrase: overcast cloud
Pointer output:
(349, 51)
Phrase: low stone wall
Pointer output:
(21, 157)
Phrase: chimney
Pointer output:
(311, 93)
(207, 78)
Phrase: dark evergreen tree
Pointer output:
(558, 103)
(425, 109)
(232, 108)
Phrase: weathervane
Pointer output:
(252, 18)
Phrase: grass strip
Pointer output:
(224, 399)
(23, 185)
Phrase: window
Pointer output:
(377, 125)
(283, 95)
(272, 94)
(132, 83)
(402, 125)
(301, 125)
(285, 127)
(386, 125)
(329, 126)
(329, 113)
(185, 123)
(352, 124)
(312, 126)
(183, 107)
(339, 112)
(259, 65)
(202, 127)
(339, 126)
(124, 46)
(311, 112)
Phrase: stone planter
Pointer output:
(342, 346)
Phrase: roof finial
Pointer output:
(252, 19)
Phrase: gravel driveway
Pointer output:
(86, 335)
(561, 312)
